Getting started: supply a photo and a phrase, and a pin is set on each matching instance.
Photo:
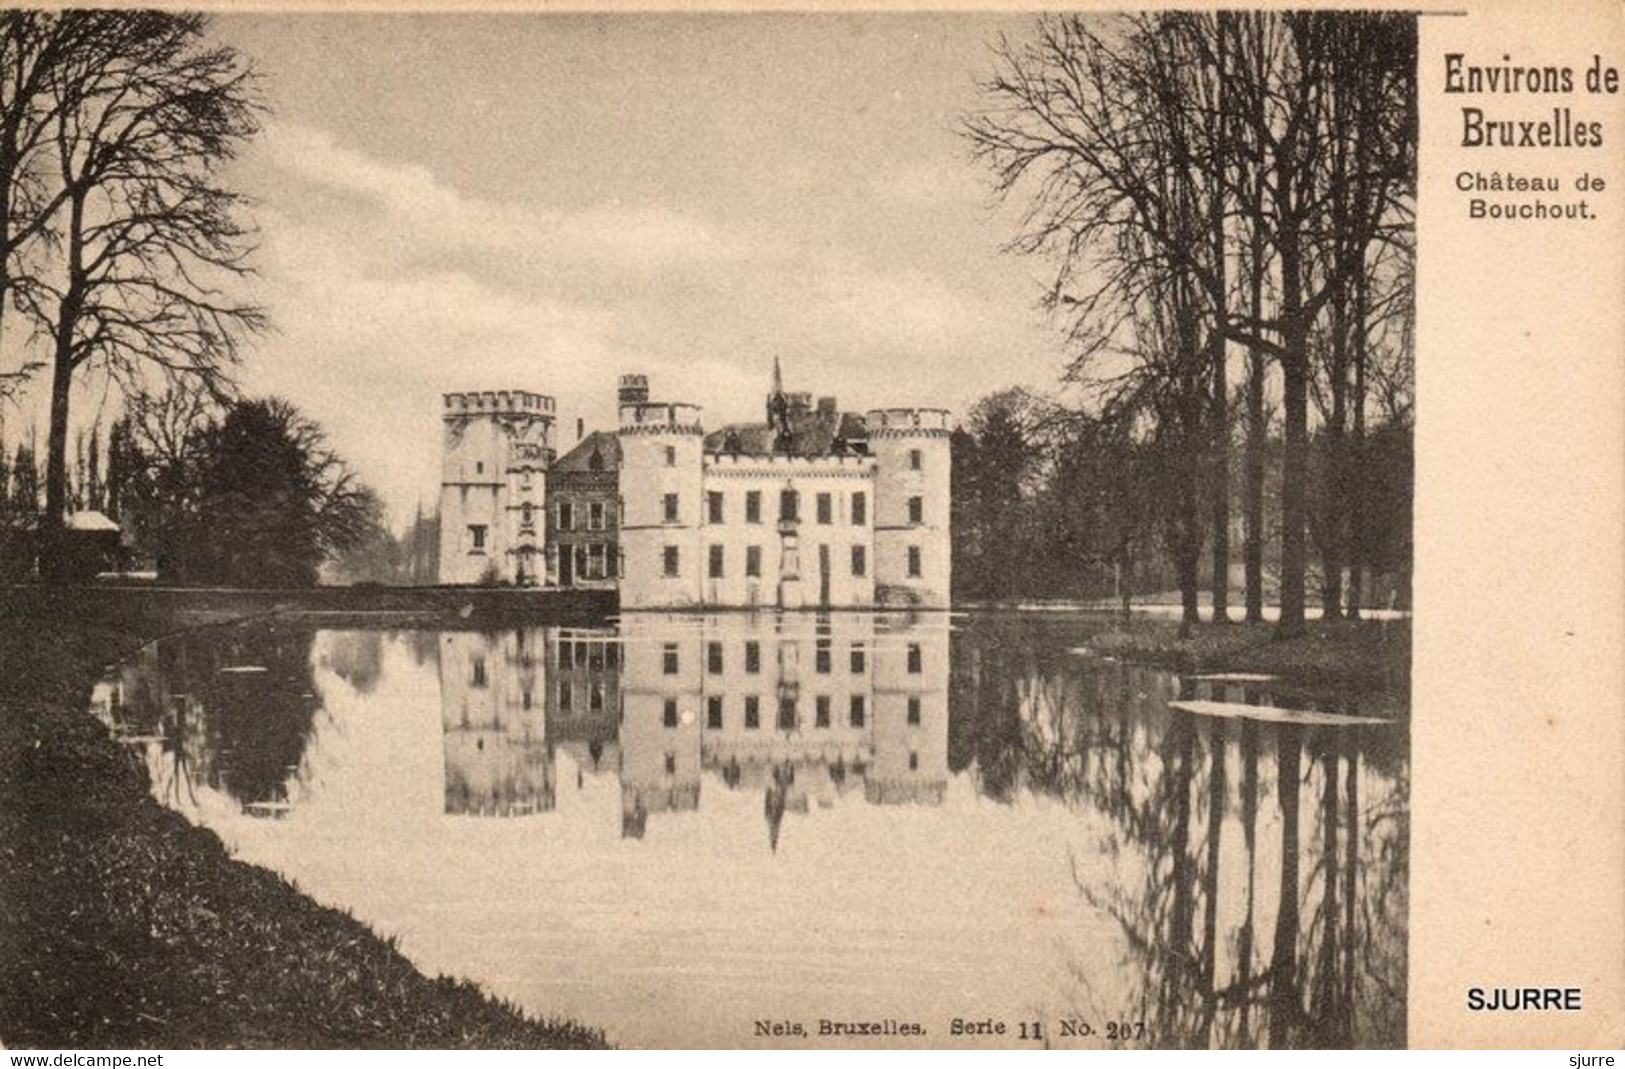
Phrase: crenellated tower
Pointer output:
(661, 484)
(497, 447)
(912, 471)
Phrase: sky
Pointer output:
(543, 202)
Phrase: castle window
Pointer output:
(565, 694)
(914, 709)
(860, 561)
(567, 516)
(914, 658)
(668, 659)
(713, 506)
(916, 459)
(476, 537)
(860, 509)
(753, 712)
(595, 516)
(671, 764)
(821, 657)
(821, 711)
(913, 562)
(787, 714)
(916, 510)
(671, 456)
(713, 712)
(753, 657)
(857, 657)
(913, 761)
(669, 557)
(597, 561)
(526, 701)
(595, 698)
(479, 467)
(671, 508)
(527, 514)
(669, 715)
(713, 658)
(753, 561)
(476, 671)
(825, 511)
(789, 503)
(714, 564)
(858, 711)
(753, 506)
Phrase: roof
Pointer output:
(88, 520)
(813, 433)
(607, 446)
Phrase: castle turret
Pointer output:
(497, 447)
(912, 464)
(661, 494)
(634, 389)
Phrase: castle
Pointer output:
(812, 508)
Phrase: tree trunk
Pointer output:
(1334, 506)
(1359, 523)
(1285, 1009)
(53, 541)
(1295, 401)
(1257, 369)
(1220, 398)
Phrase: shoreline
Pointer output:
(128, 927)
(1360, 655)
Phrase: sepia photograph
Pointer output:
(709, 529)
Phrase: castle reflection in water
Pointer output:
(1234, 881)
(799, 708)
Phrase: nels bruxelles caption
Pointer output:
(1021, 1031)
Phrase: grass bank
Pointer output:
(122, 925)
(1366, 655)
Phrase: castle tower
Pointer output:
(910, 674)
(912, 464)
(497, 447)
(498, 759)
(662, 460)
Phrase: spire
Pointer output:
(778, 412)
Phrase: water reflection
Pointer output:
(711, 821)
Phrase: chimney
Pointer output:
(581, 428)
(826, 406)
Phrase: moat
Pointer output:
(677, 826)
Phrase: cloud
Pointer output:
(427, 213)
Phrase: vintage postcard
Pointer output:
(557, 526)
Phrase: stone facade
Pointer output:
(584, 515)
(497, 448)
(814, 510)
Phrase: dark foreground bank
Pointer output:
(122, 925)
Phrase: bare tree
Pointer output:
(151, 244)
(1143, 144)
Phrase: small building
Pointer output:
(584, 514)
